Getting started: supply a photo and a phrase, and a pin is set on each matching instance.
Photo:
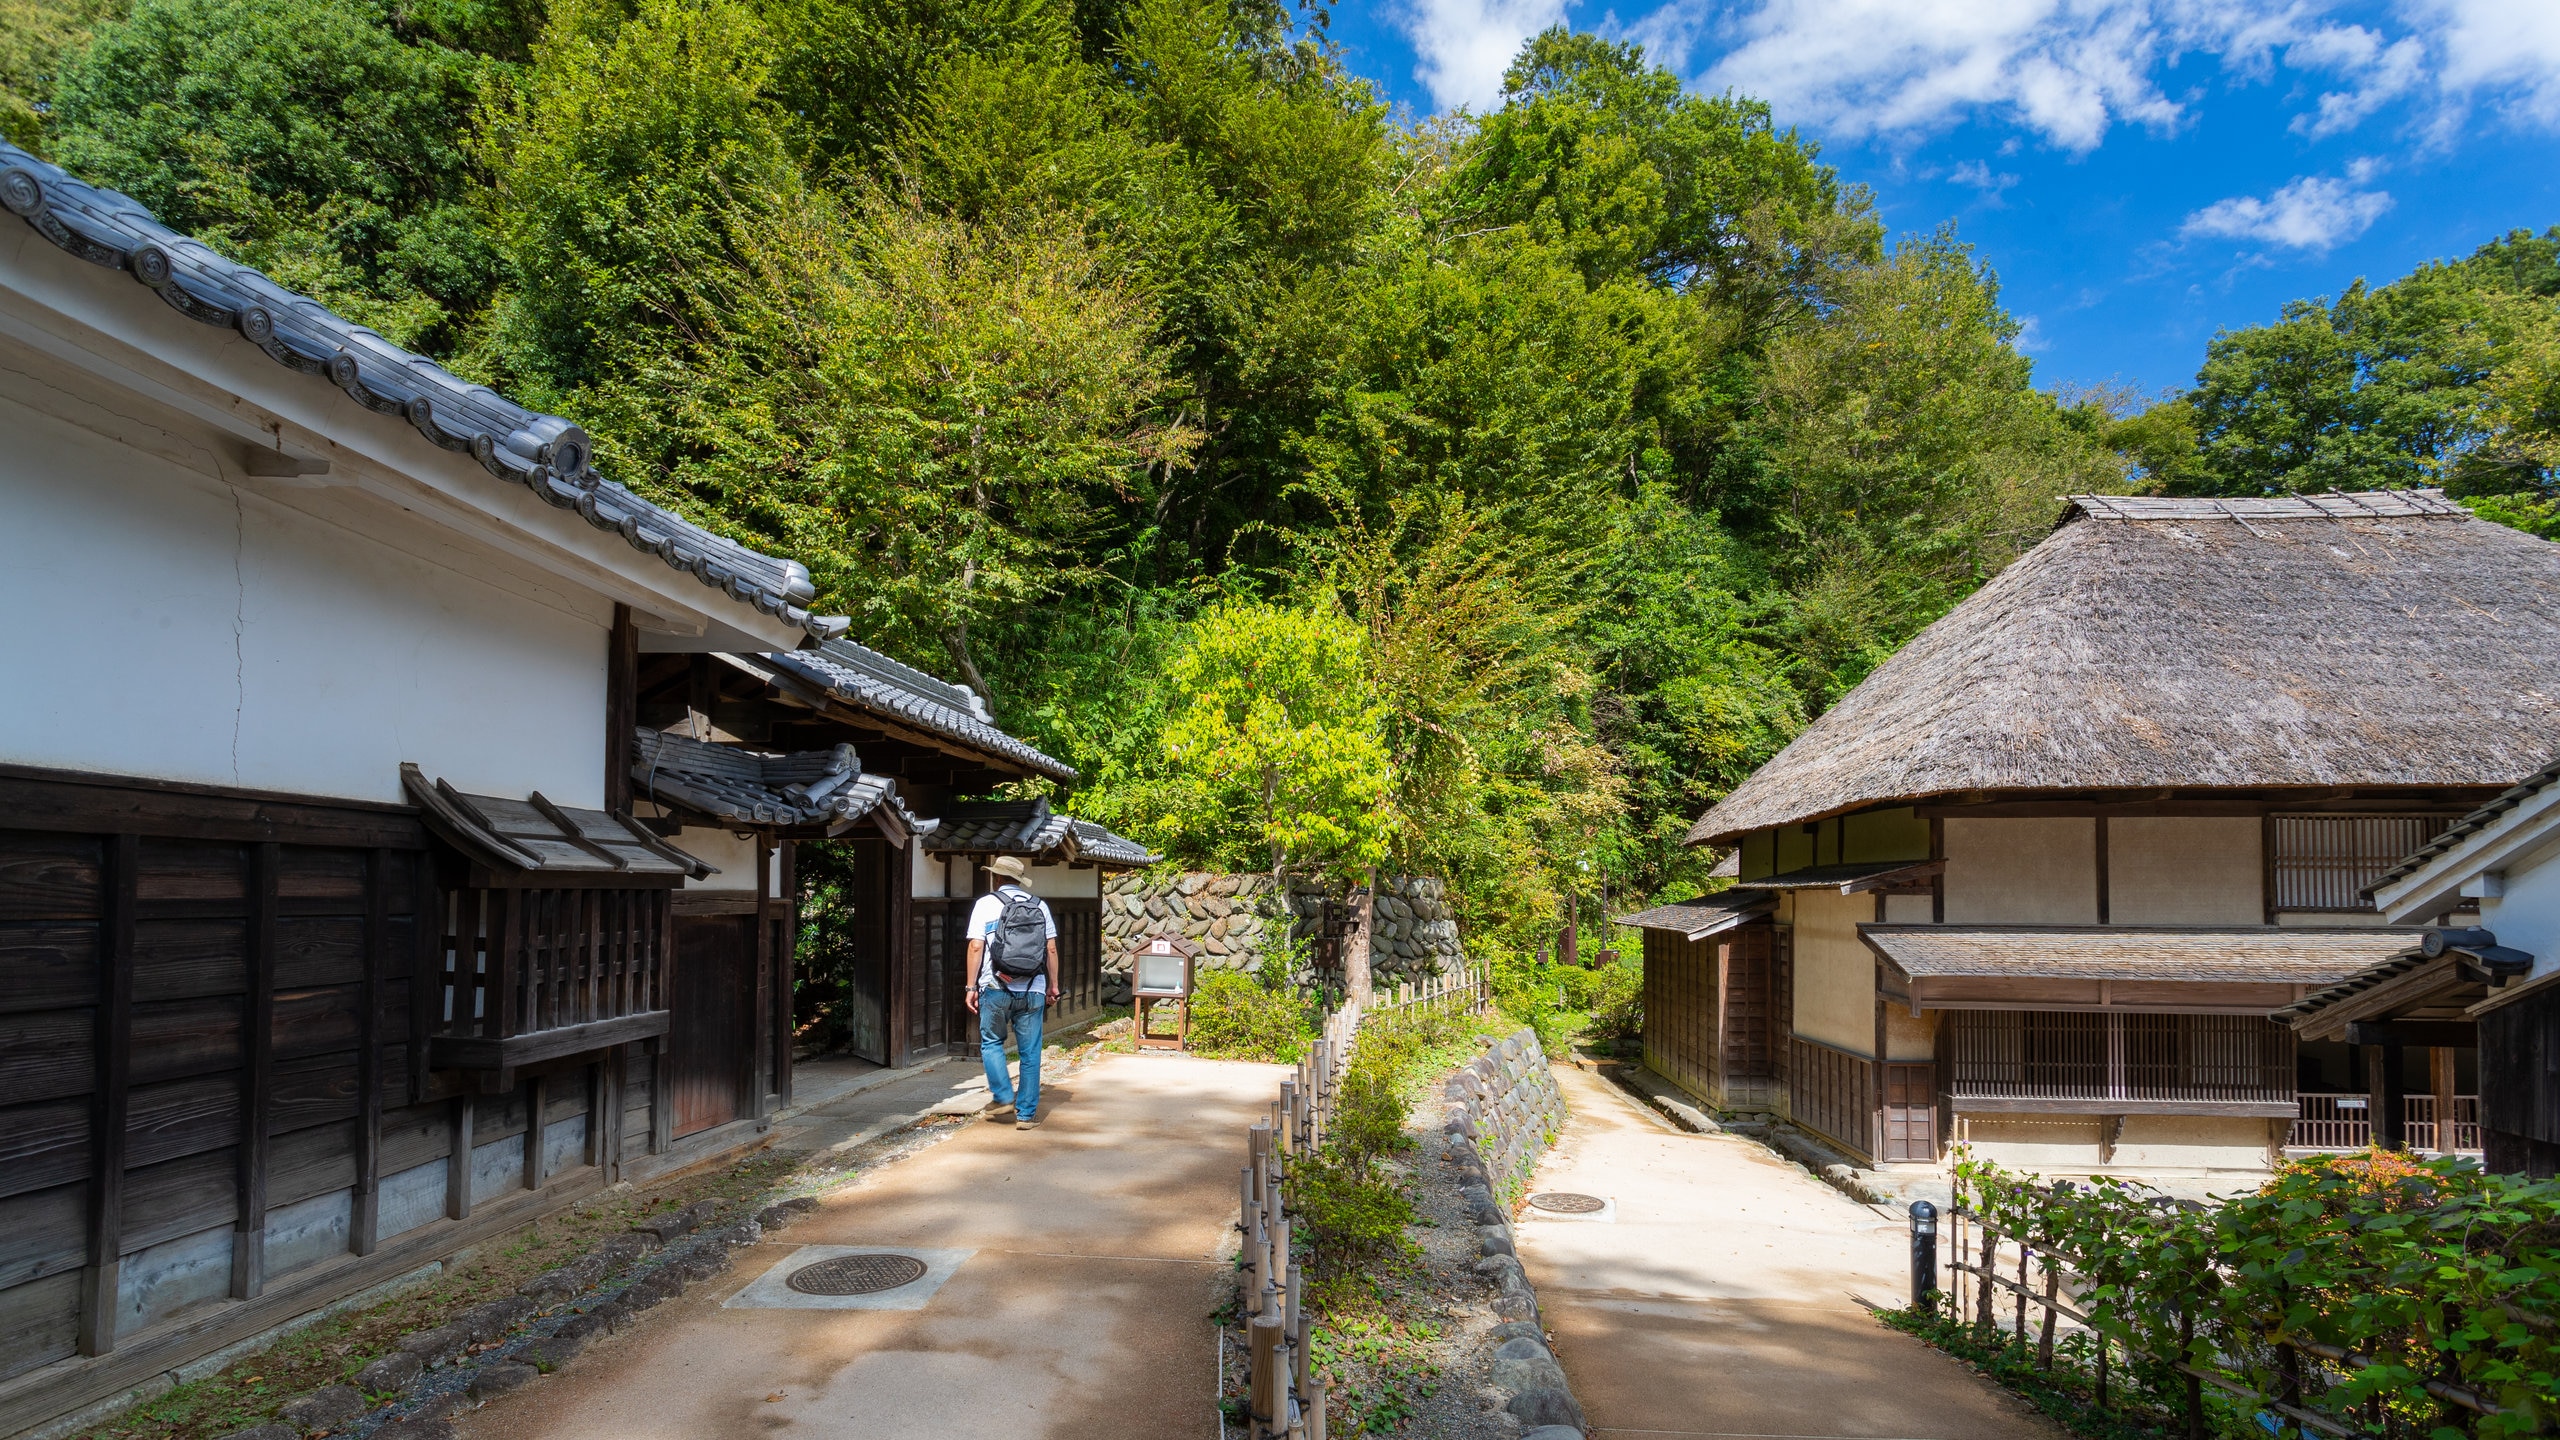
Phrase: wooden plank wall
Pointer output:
(206, 1062)
(1712, 1015)
(2520, 1084)
(1832, 1092)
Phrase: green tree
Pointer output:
(317, 140)
(1274, 749)
(35, 35)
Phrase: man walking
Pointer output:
(1013, 980)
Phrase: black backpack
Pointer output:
(1020, 947)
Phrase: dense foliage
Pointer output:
(1480, 497)
(2429, 1271)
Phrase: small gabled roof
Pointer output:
(1707, 915)
(2379, 640)
(1031, 829)
(2463, 831)
(536, 837)
(808, 788)
(867, 680)
(544, 453)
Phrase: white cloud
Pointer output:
(1978, 176)
(2504, 51)
(2378, 71)
(2314, 213)
(2068, 70)
(1465, 45)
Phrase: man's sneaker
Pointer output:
(998, 1110)
(1031, 1124)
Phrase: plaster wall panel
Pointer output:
(1835, 972)
(734, 855)
(1908, 1036)
(2527, 916)
(2187, 1143)
(170, 625)
(1909, 909)
(2185, 870)
(931, 877)
(2064, 1144)
(1064, 882)
(2022, 872)
(1884, 835)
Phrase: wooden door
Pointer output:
(711, 1043)
(1910, 1120)
(867, 985)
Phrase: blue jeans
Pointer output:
(999, 1008)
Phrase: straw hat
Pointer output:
(1009, 866)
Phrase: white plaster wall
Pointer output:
(2185, 870)
(2022, 872)
(1884, 835)
(1909, 909)
(931, 877)
(168, 625)
(2195, 1142)
(1835, 972)
(2163, 1145)
(1064, 882)
(735, 854)
(2527, 916)
(1908, 1036)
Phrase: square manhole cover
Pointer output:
(850, 1277)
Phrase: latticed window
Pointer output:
(2053, 1055)
(2324, 862)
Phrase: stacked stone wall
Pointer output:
(1238, 920)
(1506, 1105)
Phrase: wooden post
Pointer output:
(2385, 1088)
(2440, 1074)
(662, 1109)
(257, 1078)
(1316, 1395)
(537, 1098)
(2022, 1297)
(2044, 1338)
(108, 1109)
(761, 1089)
(1266, 1400)
(457, 1162)
(621, 701)
(1297, 1323)
(1989, 1265)
(1358, 990)
(426, 982)
(784, 1017)
(364, 1221)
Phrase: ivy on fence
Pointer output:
(2368, 1294)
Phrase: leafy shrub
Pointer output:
(1355, 1218)
(1235, 1016)
(1616, 1002)
(2433, 1270)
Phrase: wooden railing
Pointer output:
(581, 969)
(2332, 1121)
(1287, 1400)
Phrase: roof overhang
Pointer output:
(534, 842)
(2437, 885)
(1708, 915)
(1887, 875)
(2151, 969)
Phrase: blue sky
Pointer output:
(2140, 173)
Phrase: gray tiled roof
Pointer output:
(537, 835)
(2069, 952)
(809, 787)
(544, 453)
(1031, 829)
(868, 680)
(2471, 824)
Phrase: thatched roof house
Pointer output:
(2150, 645)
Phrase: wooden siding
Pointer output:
(1999, 1056)
(213, 1081)
(1711, 1015)
(1832, 1092)
(2520, 1083)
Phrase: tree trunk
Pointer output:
(1356, 985)
(955, 640)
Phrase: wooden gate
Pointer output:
(711, 1047)
(1910, 1121)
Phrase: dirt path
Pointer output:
(1069, 1277)
(1721, 1296)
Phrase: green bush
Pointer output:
(1616, 1002)
(1354, 1218)
(1235, 1016)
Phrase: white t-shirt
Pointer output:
(985, 918)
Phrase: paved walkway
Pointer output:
(1722, 1300)
(1087, 1251)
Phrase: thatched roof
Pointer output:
(2131, 952)
(2387, 639)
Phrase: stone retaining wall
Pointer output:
(1239, 919)
(1506, 1103)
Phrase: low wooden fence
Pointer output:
(1287, 1401)
(2331, 1121)
(1988, 1272)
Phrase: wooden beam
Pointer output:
(257, 1076)
(512, 1052)
(2438, 1034)
(621, 698)
(537, 1096)
(108, 1102)
(762, 1091)
(364, 1219)
(457, 1161)
(2103, 897)
(2075, 1105)
(789, 937)
(67, 800)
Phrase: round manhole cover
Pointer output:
(857, 1275)
(1565, 1202)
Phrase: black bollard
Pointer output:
(1924, 1255)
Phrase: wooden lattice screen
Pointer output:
(2061, 1055)
(519, 961)
(2324, 862)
